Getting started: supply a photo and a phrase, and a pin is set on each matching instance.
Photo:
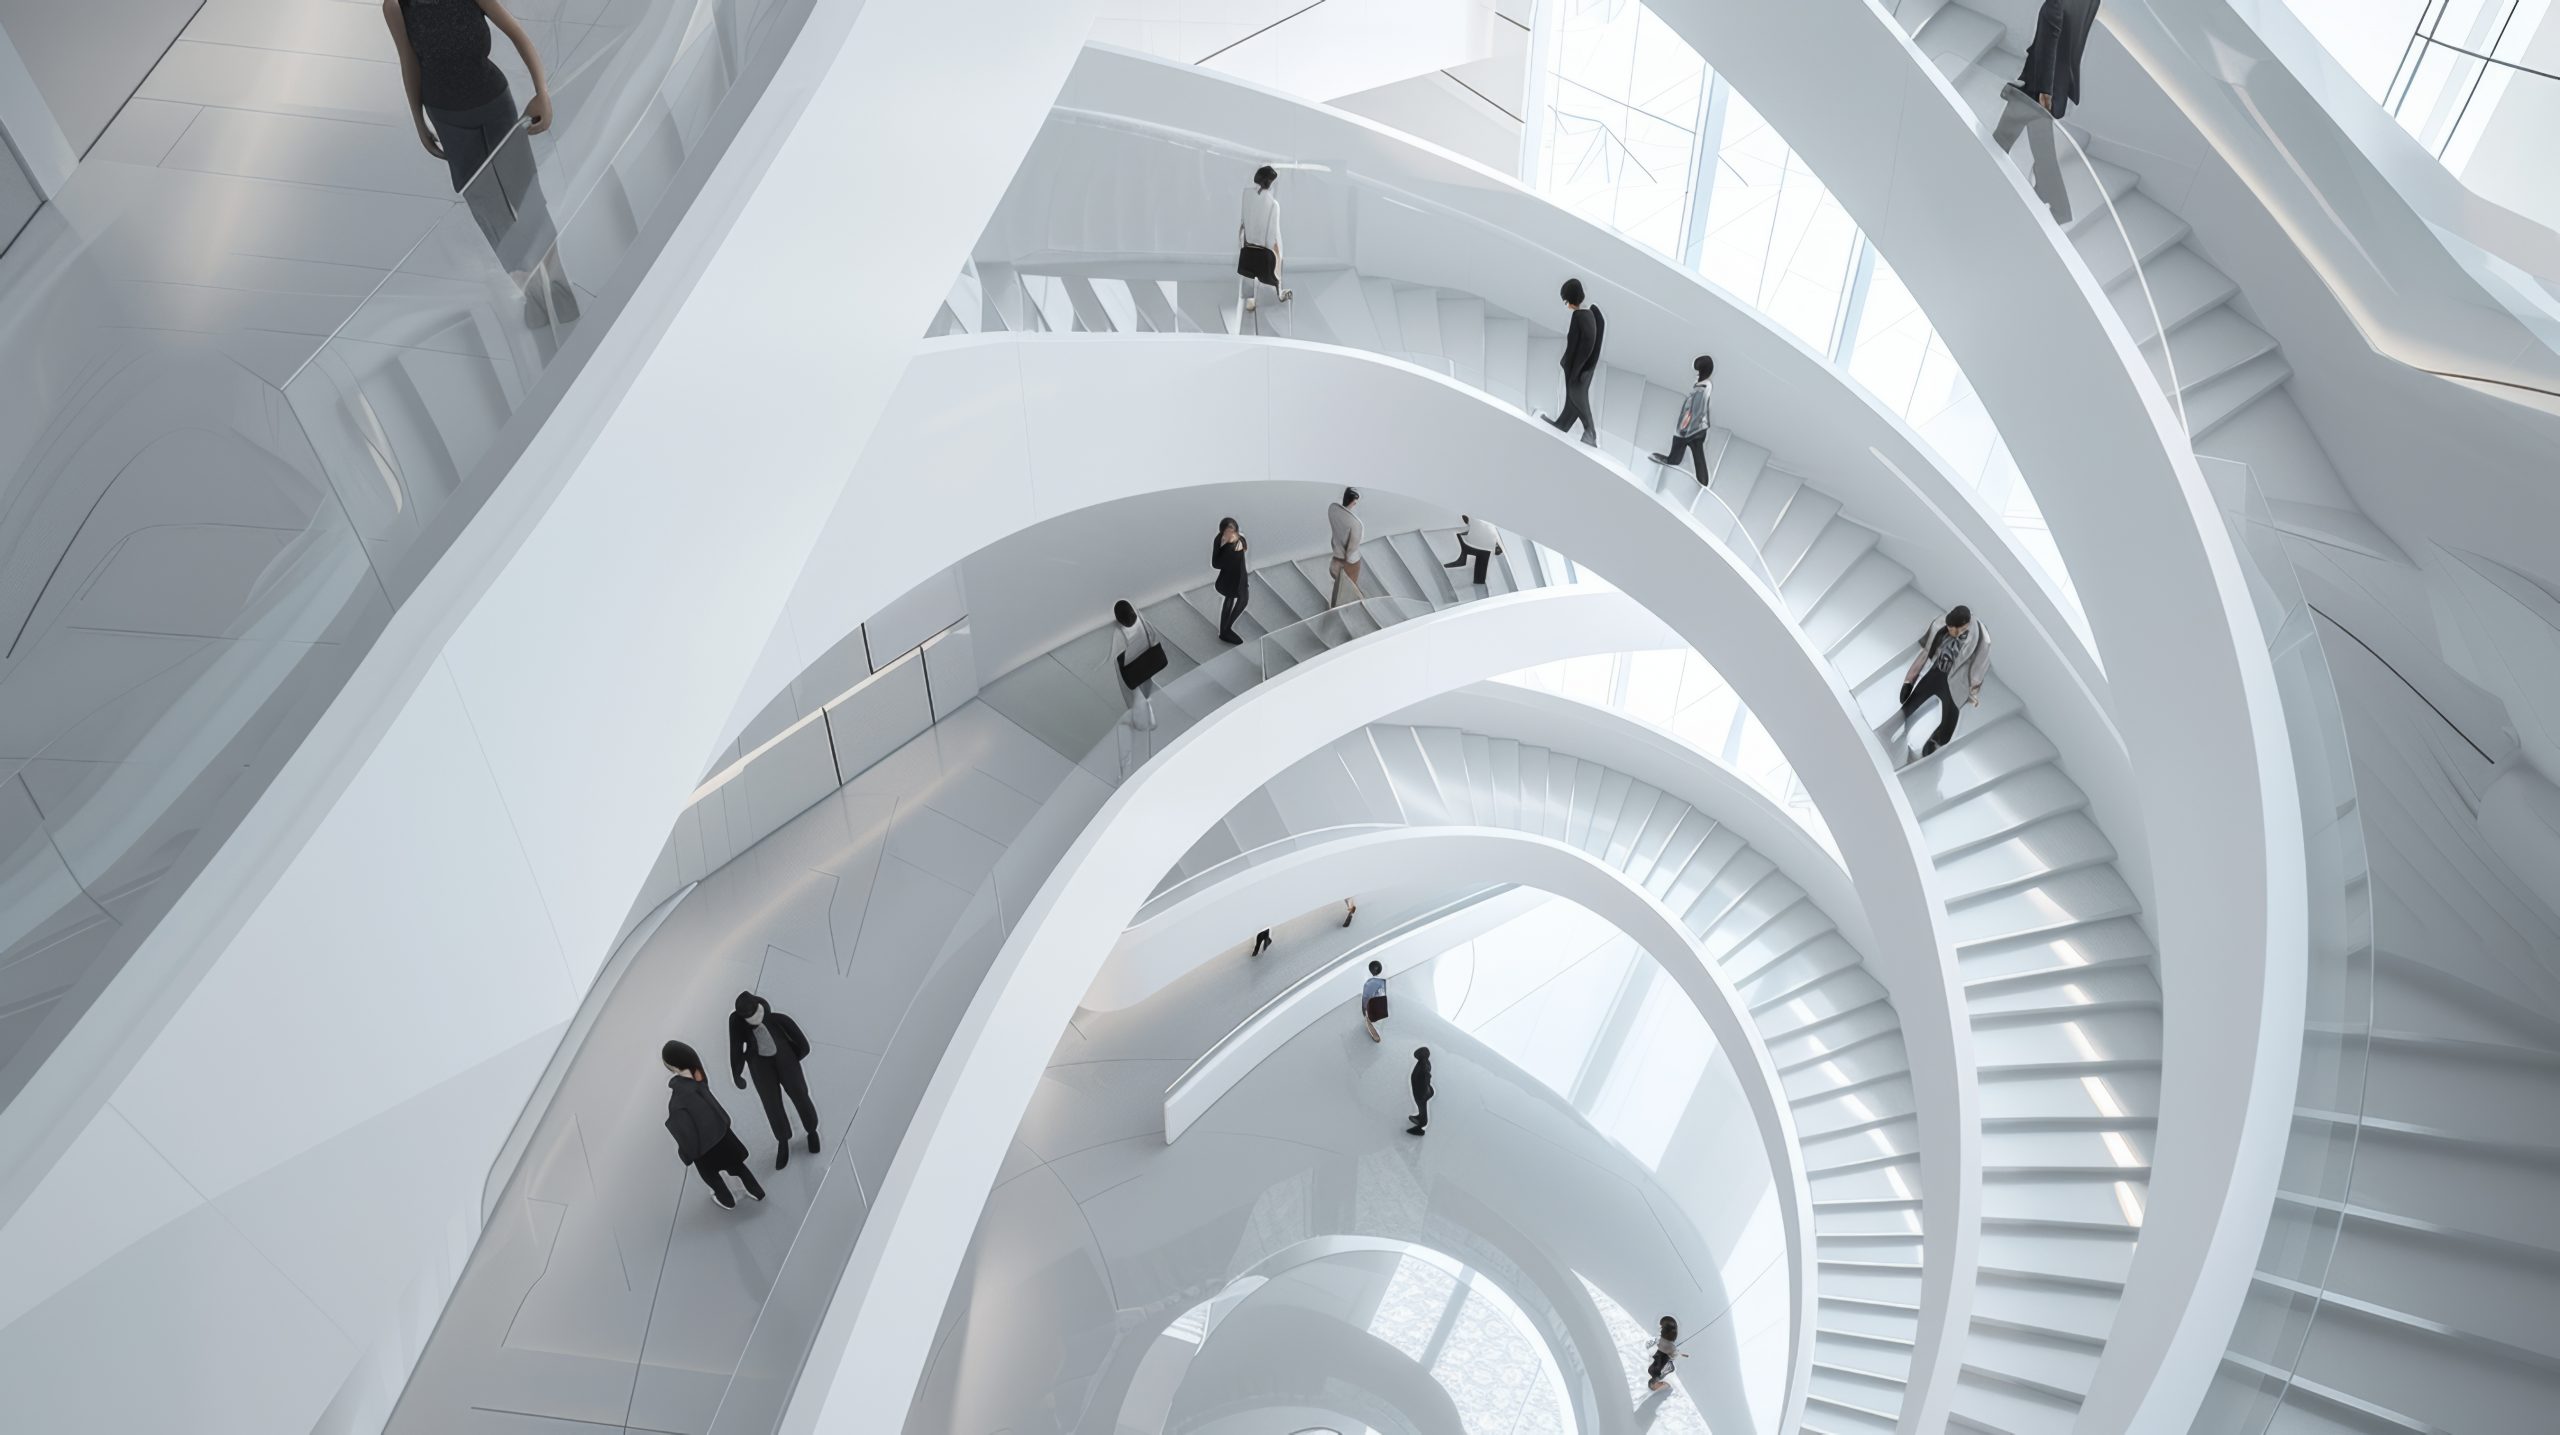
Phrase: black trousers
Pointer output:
(1483, 559)
(1230, 608)
(1696, 445)
(1422, 1106)
(727, 1158)
(1577, 409)
(774, 1076)
(506, 200)
(1932, 684)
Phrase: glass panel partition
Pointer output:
(204, 524)
(2290, 1286)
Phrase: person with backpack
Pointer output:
(1696, 416)
(1584, 329)
(770, 1046)
(700, 1126)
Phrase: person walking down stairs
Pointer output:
(1235, 587)
(1137, 660)
(2045, 90)
(1344, 564)
(1696, 414)
(1950, 649)
(1583, 331)
(1422, 1091)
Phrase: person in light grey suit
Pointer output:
(1344, 564)
(2048, 85)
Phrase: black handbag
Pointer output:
(1137, 670)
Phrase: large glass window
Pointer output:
(1635, 132)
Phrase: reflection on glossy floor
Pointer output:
(1589, 1155)
(608, 1291)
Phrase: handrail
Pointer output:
(1224, 867)
(1328, 970)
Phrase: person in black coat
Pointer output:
(1226, 554)
(701, 1127)
(2049, 83)
(1421, 1091)
(770, 1046)
(1583, 331)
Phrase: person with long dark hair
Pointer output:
(1235, 588)
(701, 1127)
(466, 116)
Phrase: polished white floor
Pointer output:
(608, 1291)
(1589, 1151)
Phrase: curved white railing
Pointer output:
(1431, 440)
(2190, 686)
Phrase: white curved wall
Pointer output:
(253, 1171)
(1302, 880)
(2191, 685)
(1123, 413)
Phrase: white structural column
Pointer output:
(238, 1196)
(2193, 692)
(1013, 430)
(1310, 877)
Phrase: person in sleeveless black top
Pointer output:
(466, 116)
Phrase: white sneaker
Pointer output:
(1249, 305)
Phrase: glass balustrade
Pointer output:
(206, 521)
(2291, 1283)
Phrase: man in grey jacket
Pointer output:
(1956, 649)
(1344, 564)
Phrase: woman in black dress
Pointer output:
(1226, 554)
(465, 115)
(701, 1127)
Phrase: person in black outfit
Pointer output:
(1226, 554)
(1421, 1091)
(1582, 334)
(1261, 942)
(465, 116)
(2050, 82)
(701, 1127)
(769, 1045)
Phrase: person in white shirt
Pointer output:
(1258, 237)
(1691, 432)
(1344, 563)
(1133, 639)
(1373, 997)
(1478, 541)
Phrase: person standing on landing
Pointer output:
(1583, 331)
(1952, 651)
(1421, 1091)
(1690, 434)
(1344, 564)
(2048, 82)
(771, 1046)
(465, 114)
(1478, 541)
(701, 1127)
(1227, 555)
(1258, 238)
(1373, 997)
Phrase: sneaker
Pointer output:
(755, 1191)
(727, 1201)
(1288, 294)
(1413, 1131)
(1250, 303)
(1661, 458)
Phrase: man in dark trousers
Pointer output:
(1421, 1091)
(1583, 330)
(771, 1046)
(2050, 82)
